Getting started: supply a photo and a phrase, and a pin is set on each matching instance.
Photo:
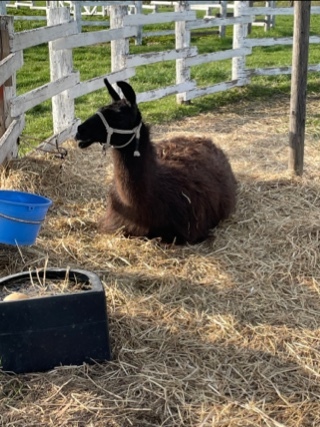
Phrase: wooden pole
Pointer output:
(299, 85)
(119, 47)
(3, 8)
(183, 39)
(61, 65)
(240, 32)
(223, 14)
(6, 31)
(9, 146)
(138, 9)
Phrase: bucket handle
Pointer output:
(25, 221)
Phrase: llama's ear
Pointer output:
(128, 92)
(114, 95)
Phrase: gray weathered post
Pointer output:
(223, 14)
(299, 85)
(239, 33)
(52, 4)
(138, 9)
(269, 19)
(3, 8)
(250, 4)
(8, 88)
(6, 31)
(61, 65)
(77, 9)
(119, 48)
(182, 40)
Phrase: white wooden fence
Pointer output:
(100, 8)
(63, 34)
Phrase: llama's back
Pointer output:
(205, 180)
(191, 150)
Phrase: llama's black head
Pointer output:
(117, 124)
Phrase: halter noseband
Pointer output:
(135, 131)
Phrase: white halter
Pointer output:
(135, 131)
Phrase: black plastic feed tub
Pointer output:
(42, 332)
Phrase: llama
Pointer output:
(175, 190)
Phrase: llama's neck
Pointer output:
(133, 175)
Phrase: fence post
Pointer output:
(3, 8)
(182, 40)
(138, 9)
(52, 4)
(8, 89)
(119, 48)
(60, 65)
(250, 4)
(77, 15)
(299, 85)
(239, 34)
(269, 19)
(223, 14)
(6, 31)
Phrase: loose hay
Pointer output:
(224, 333)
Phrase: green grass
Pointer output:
(96, 60)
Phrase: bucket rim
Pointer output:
(42, 200)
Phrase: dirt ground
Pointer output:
(224, 333)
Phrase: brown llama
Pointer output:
(177, 189)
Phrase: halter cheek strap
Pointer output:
(135, 131)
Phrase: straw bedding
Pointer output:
(224, 333)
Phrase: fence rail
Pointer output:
(63, 34)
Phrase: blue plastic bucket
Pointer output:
(21, 216)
